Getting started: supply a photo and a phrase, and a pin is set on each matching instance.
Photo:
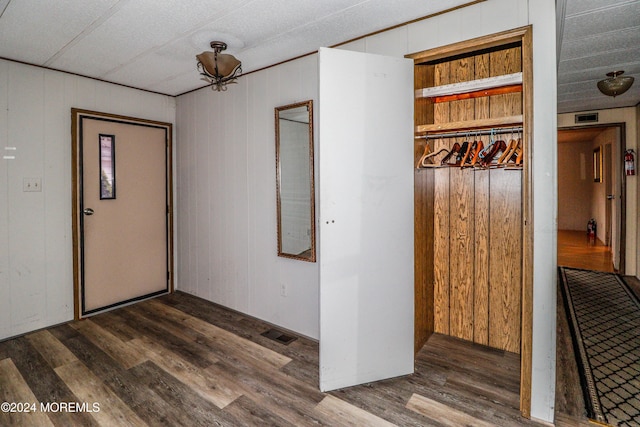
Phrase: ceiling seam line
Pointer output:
(88, 30)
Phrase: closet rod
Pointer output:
(495, 131)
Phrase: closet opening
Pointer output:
(473, 245)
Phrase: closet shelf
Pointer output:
(470, 124)
(470, 86)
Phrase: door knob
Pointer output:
(87, 211)
(610, 197)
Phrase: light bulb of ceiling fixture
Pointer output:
(616, 84)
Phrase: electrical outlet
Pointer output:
(31, 184)
(283, 290)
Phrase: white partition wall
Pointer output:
(366, 218)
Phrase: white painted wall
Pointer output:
(226, 189)
(575, 181)
(36, 264)
(226, 182)
(630, 116)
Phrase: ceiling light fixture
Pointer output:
(616, 84)
(218, 69)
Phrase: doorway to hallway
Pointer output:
(591, 189)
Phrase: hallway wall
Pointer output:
(575, 179)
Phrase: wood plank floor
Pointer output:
(180, 360)
(574, 251)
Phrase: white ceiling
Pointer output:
(151, 44)
(596, 37)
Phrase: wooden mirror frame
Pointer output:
(284, 248)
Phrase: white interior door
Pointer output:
(366, 218)
(124, 228)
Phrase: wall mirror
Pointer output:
(294, 181)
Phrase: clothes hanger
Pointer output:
(494, 149)
(428, 160)
(462, 153)
(455, 150)
(515, 161)
(479, 147)
(474, 151)
(509, 151)
(425, 153)
(521, 150)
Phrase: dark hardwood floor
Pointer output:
(180, 360)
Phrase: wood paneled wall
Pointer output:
(477, 265)
(423, 253)
(477, 214)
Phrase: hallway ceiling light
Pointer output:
(218, 69)
(615, 84)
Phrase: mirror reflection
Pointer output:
(294, 181)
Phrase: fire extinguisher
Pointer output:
(591, 230)
(629, 163)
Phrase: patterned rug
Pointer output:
(604, 315)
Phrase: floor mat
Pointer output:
(604, 315)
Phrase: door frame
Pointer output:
(77, 115)
(622, 214)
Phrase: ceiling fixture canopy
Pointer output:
(616, 84)
(218, 69)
